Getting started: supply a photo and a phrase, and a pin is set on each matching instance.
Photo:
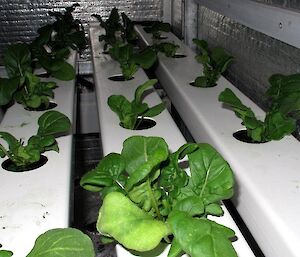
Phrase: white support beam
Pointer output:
(279, 23)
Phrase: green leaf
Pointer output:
(201, 237)
(67, 242)
(142, 155)
(7, 89)
(154, 111)
(53, 122)
(229, 98)
(175, 250)
(214, 209)
(192, 205)
(146, 58)
(141, 89)
(106, 174)
(5, 253)
(200, 81)
(211, 176)
(66, 72)
(17, 60)
(278, 126)
(128, 224)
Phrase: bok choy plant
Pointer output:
(131, 114)
(282, 114)
(129, 60)
(111, 26)
(214, 61)
(149, 197)
(52, 46)
(168, 48)
(51, 124)
(22, 85)
(156, 28)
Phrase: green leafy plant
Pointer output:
(168, 48)
(52, 46)
(51, 124)
(129, 60)
(22, 85)
(284, 109)
(156, 28)
(214, 61)
(149, 197)
(111, 26)
(128, 33)
(131, 114)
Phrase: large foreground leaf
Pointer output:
(67, 242)
(128, 224)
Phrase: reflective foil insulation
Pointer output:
(20, 19)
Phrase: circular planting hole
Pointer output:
(179, 56)
(42, 107)
(242, 136)
(194, 85)
(145, 123)
(105, 52)
(119, 78)
(44, 74)
(10, 166)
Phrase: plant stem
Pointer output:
(153, 200)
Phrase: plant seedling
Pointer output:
(284, 109)
(168, 48)
(51, 124)
(111, 26)
(51, 47)
(22, 85)
(149, 197)
(214, 62)
(131, 61)
(131, 114)
(156, 28)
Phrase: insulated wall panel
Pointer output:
(19, 19)
(177, 17)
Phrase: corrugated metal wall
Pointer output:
(19, 19)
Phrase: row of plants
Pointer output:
(283, 98)
(120, 40)
(49, 50)
(24, 62)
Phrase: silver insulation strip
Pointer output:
(256, 56)
(288, 4)
(20, 19)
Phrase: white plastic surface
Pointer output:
(35, 201)
(112, 135)
(268, 176)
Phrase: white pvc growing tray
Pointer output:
(33, 202)
(268, 175)
(112, 135)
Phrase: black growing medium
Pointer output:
(242, 136)
(143, 123)
(119, 78)
(194, 85)
(179, 56)
(42, 107)
(10, 166)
